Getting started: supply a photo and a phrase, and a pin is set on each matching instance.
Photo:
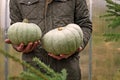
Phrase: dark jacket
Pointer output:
(49, 15)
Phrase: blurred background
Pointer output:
(99, 61)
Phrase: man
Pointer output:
(49, 14)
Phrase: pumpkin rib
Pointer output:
(78, 29)
(53, 50)
(67, 42)
(71, 38)
(35, 37)
(76, 36)
(53, 42)
(26, 36)
(17, 29)
(22, 38)
(20, 32)
(15, 38)
(58, 42)
(31, 32)
(67, 49)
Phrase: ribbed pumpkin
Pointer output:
(22, 32)
(63, 40)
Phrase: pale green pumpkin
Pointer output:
(63, 40)
(21, 32)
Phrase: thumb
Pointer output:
(8, 41)
(79, 49)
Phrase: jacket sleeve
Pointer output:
(15, 14)
(82, 18)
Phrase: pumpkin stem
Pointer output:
(25, 20)
(60, 29)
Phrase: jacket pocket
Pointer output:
(31, 9)
(28, 2)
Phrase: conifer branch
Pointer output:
(32, 69)
(112, 16)
(34, 74)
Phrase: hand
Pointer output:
(8, 41)
(59, 57)
(63, 56)
(22, 47)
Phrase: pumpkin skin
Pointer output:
(63, 40)
(21, 32)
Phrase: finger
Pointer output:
(38, 41)
(54, 56)
(20, 47)
(62, 55)
(28, 48)
(7, 41)
(34, 45)
(65, 56)
(79, 49)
